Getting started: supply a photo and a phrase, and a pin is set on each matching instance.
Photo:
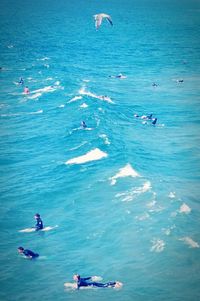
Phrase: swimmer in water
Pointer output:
(26, 90)
(120, 75)
(154, 121)
(21, 81)
(39, 223)
(27, 253)
(154, 85)
(83, 124)
(83, 282)
(149, 117)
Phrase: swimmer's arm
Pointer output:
(88, 278)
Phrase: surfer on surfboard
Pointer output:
(39, 223)
(27, 253)
(83, 282)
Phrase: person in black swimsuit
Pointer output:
(84, 282)
(27, 253)
(39, 223)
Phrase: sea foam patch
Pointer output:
(129, 195)
(82, 91)
(84, 105)
(104, 137)
(74, 99)
(185, 209)
(93, 155)
(190, 242)
(158, 245)
(126, 171)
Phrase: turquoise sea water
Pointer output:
(142, 230)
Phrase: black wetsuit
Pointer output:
(39, 224)
(29, 253)
(154, 122)
(83, 282)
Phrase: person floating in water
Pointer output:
(83, 282)
(120, 75)
(83, 124)
(27, 253)
(26, 90)
(154, 121)
(149, 117)
(21, 81)
(154, 85)
(39, 223)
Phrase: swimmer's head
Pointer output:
(20, 249)
(76, 277)
(36, 216)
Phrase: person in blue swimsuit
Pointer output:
(154, 121)
(83, 124)
(27, 253)
(83, 282)
(21, 81)
(39, 223)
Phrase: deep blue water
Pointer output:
(142, 230)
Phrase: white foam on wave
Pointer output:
(43, 90)
(37, 93)
(126, 171)
(172, 195)
(168, 230)
(76, 147)
(44, 59)
(190, 242)
(104, 137)
(143, 216)
(82, 91)
(34, 96)
(130, 195)
(84, 105)
(184, 209)
(158, 245)
(75, 98)
(22, 113)
(93, 155)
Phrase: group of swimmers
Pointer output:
(79, 281)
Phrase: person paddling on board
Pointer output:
(21, 81)
(26, 90)
(27, 253)
(154, 121)
(83, 124)
(39, 223)
(83, 282)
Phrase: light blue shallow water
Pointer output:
(142, 231)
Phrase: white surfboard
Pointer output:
(29, 230)
(70, 285)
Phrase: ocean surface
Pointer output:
(123, 192)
